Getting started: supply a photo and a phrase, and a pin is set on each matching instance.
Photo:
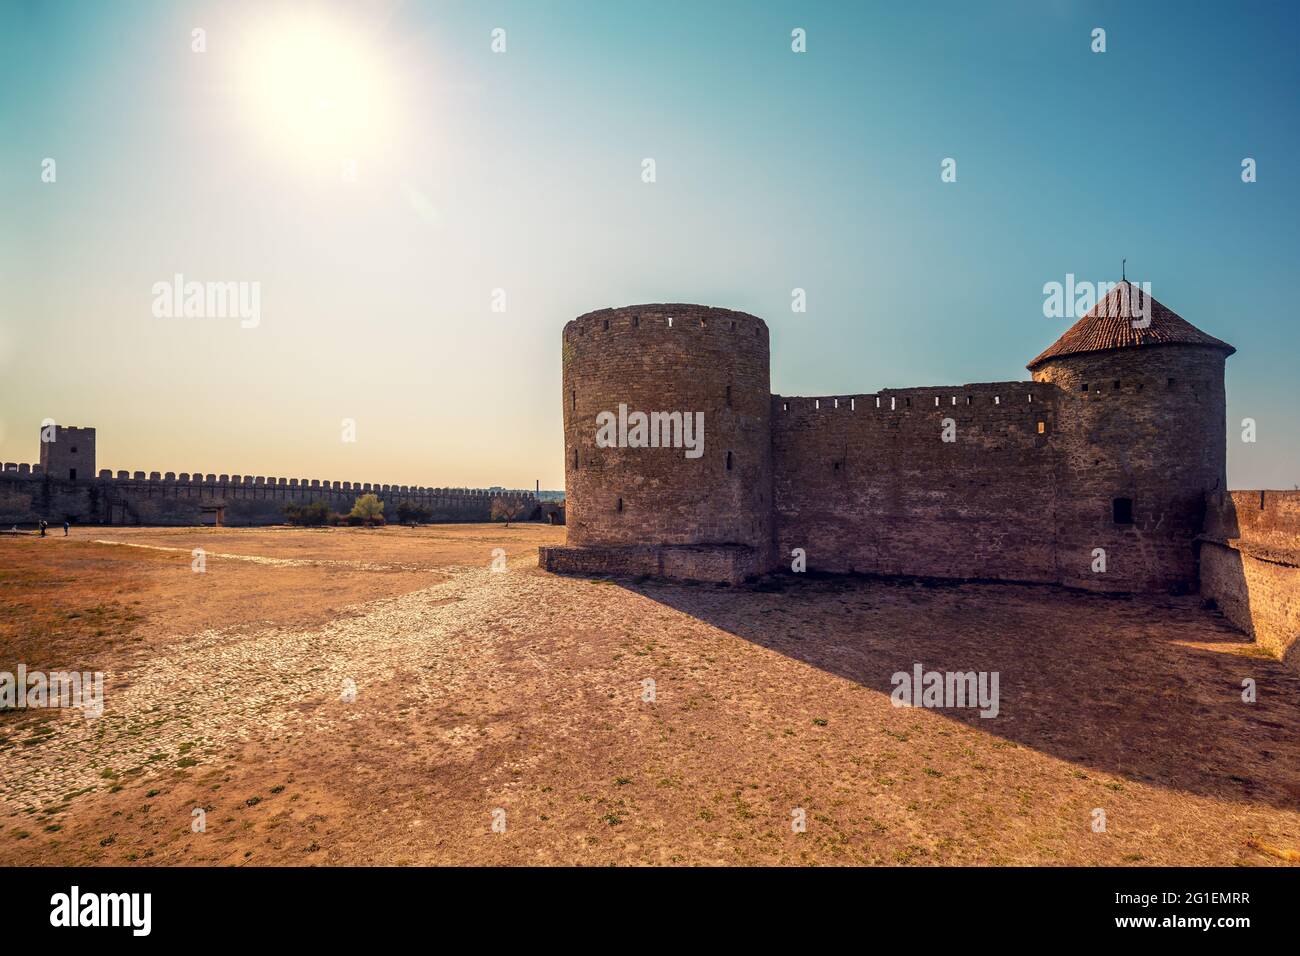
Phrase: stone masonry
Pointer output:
(65, 486)
(1094, 474)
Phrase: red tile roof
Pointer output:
(1109, 325)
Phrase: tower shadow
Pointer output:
(1148, 688)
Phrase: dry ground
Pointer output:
(522, 691)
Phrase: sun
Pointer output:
(318, 91)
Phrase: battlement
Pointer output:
(675, 317)
(1109, 450)
(15, 470)
(29, 492)
(921, 398)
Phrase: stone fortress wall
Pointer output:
(1250, 565)
(864, 483)
(1094, 474)
(62, 487)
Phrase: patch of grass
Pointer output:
(1291, 856)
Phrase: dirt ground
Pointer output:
(507, 716)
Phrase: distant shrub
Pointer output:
(368, 509)
(316, 513)
(507, 510)
(408, 512)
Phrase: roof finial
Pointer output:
(1123, 270)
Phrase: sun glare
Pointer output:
(317, 90)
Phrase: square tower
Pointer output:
(69, 454)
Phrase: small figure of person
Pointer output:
(65, 527)
(43, 526)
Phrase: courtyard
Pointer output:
(429, 696)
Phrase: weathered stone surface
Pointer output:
(68, 487)
(1250, 566)
(1093, 475)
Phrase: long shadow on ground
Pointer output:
(1145, 687)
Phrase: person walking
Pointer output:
(43, 526)
(65, 527)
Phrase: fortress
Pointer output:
(65, 486)
(1095, 474)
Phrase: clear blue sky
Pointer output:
(522, 171)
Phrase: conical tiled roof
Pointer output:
(1109, 325)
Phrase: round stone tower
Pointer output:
(1140, 439)
(668, 459)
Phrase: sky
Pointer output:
(379, 171)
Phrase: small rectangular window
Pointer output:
(1083, 387)
(1122, 510)
(620, 504)
(728, 461)
(728, 396)
(1042, 428)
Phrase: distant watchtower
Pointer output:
(70, 454)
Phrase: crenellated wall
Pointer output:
(1092, 475)
(868, 483)
(27, 494)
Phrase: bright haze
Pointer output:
(381, 172)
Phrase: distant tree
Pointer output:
(316, 513)
(408, 512)
(506, 509)
(368, 508)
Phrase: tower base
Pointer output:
(710, 564)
